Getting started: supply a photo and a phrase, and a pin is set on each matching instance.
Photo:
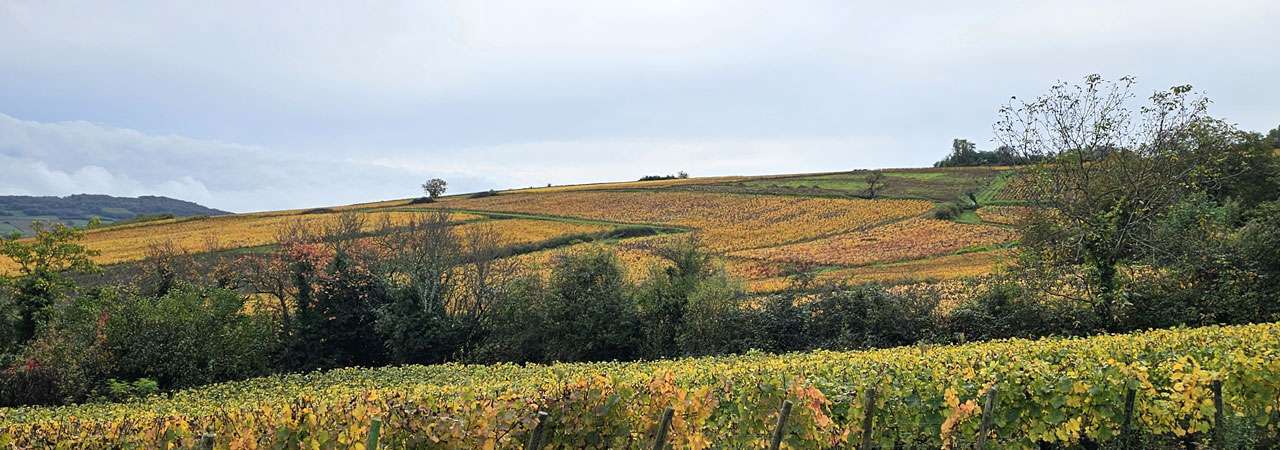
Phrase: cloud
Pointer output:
(252, 105)
(80, 157)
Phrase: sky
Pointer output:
(250, 105)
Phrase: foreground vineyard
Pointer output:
(1056, 391)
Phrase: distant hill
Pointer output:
(17, 212)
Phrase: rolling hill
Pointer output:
(760, 225)
(17, 212)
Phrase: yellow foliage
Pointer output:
(725, 222)
(910, 239)
(1055, 391)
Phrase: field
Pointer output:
(906, 240)
(933, 184)
(726, 222)
(760, 224)
(1051, 391)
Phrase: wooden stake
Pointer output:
(868, 418)
(1125, 440)
(538, 438)
(1216, 386)
(782, 425)
(660, 439)
(206, 441)
(987, 408)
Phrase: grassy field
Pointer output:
(760, 224)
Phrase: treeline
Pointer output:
(678, 176)
(966, 154)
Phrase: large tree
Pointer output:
(1108, 169)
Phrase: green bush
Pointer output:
(119, 391)
(190, 337)
(588, 315)
(946, 211)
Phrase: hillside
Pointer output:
(760, 225)
(17, 212)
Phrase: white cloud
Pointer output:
(252, 105)
(80, 157)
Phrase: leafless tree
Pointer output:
(164, 264)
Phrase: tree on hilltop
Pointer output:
(435, 187)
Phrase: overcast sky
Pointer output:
(266, 105)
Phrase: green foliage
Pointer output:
(189, 337)
(120, 391)
(588, 315)
(946, 211)
(1050, 393)
(663, 298)
(869, 317)
(966, 154)
(337, 327)
(44, 262)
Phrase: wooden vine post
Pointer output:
(988, 408)
(206, 441)
(781, 429)
(1126, 440)
(868, 418)
(660, 437)
(538, 438)
(1216, 386)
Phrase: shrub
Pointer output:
(868, 316)
(588, 317)
(483, 194)
(946, 211)
(421, 200)
(119, 391)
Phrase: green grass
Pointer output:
(968, 216)
(937, 184)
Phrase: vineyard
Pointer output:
(1025, 393)
(726, 222)
(811, 219)
(911, 239)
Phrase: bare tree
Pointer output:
(875, 183)
(340, 232)
(486, 273)
(164, 264)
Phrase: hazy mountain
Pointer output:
(18, 211)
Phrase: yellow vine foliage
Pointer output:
(1004, 215)
(1051, 391)
(527, 231)
(130, 242)
(909, 239)
(636, 263)
(725, 222)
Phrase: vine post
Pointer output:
(781, 429)
(988, 407)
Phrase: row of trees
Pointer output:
(965, 153)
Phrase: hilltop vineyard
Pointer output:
(1155, 388)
